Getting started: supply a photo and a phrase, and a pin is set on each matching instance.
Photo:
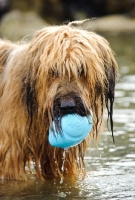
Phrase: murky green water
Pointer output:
(110, 169)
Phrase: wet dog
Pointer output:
(62, 70)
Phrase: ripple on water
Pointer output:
(130, 78)
(124, 115)
(125, 100)
(120, 94)
(125, 86)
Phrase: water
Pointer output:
(110, 168)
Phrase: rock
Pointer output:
(113, 23)
(16, 25)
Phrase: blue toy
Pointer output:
(75, 129)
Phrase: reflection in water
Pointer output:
(110, 168)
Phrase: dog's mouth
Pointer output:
(64, 105)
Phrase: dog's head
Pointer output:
(70, 71)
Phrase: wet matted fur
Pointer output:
(60, 65)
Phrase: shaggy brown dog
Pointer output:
(62, 65)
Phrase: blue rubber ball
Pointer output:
(75, 129)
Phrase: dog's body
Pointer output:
(62, 70)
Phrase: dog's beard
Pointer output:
(67, 104)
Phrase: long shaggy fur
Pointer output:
(34, 77)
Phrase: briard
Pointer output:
(62, 66)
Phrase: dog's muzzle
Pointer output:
(70, 104)
(67, 106)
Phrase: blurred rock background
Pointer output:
(20, 18)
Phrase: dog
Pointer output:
(62, 70)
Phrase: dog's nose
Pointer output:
(67, 106)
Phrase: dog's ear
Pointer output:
(5, 50)
(30, 100)
(111, 71)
